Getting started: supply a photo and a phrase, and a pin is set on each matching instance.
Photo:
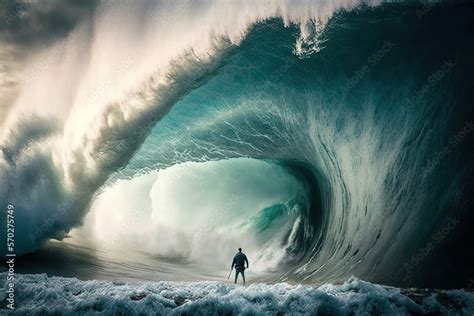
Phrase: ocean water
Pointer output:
(40, 294)
(72, 277)
(328, 140)
(78, 258)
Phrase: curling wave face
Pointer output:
(349, 116)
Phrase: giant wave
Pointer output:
(333, 103)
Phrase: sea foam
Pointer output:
(40, 294)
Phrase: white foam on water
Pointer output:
(36, 294)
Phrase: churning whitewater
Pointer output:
(332, 138)
(73, 297)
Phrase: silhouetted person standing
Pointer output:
(239, 259)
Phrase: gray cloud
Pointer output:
(26, 25)
(30, 22)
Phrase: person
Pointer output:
(239, 259)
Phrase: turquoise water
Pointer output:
(355, 140)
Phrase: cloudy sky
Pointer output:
(29, 25)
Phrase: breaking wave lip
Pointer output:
(39, 294)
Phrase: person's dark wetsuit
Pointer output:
(239, 259)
